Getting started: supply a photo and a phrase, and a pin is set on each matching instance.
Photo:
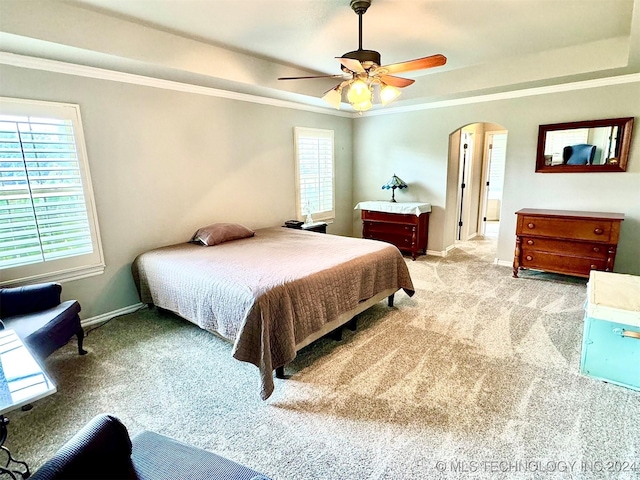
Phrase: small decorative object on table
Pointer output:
(320, 227)
(395, 182)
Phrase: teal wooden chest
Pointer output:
(611, 339)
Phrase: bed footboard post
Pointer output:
(390, 300)
(280, 372)
(336, 334)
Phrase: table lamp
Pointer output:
(395, 182)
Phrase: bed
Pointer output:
(273, 293)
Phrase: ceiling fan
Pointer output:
(362, 71)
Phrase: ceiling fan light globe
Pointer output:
(362, 106)
(333, 97)
(359, 92)
(388, 94)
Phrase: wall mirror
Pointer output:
(589, 146)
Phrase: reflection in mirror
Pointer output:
(598, 145)
(582, 146)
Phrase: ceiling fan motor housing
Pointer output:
(364, 56)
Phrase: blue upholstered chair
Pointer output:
(38, 317)
(580, 154)
(102, 449)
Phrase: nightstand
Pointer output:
(319, 227)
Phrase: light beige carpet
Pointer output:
(476, 376)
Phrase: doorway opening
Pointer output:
(478, 152)
(492, 182)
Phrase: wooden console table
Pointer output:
(403, 224)
(568, 242)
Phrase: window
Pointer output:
(48, 224)
(496, 164)
(314, 173)
(556, 141)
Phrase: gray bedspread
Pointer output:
(268, 292)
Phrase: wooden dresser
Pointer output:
(562, 241)
(404, 224)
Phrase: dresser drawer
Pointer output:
(390, 217)
(595, 230)
(402, 242)
(554, 262)
(398, 229)
(585, 249)
(408, 232)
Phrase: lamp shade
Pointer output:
(363, 106)
(388, 94)
(359, 92)
(333, 97)
(393, 183)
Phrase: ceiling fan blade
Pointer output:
(398, 82)
(352, 64)
(315, 76)
(340, 86)
(417, 64)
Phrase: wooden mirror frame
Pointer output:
(625, 125)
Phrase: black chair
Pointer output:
(38, 317)
(102, 450)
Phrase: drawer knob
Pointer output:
(530, 242)
(531, 225)
(598, 231)
(596, 249)
(594, 267)
(529, 257)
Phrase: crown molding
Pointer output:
(56, 66)
(526, 92)
(35, 63)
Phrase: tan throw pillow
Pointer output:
(218, 233)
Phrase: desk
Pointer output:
(22, 381)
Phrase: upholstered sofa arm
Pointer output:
(29, 299)
(100, 450)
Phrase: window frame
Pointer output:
(72, 267)
(324, 215)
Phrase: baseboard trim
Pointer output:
(503, 263)
(441, 253)
(105, 317)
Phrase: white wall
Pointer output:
(164, 163)
(416, 146)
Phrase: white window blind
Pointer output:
(48, 228)
(496, 165)
(556, 141)
(315, 173)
